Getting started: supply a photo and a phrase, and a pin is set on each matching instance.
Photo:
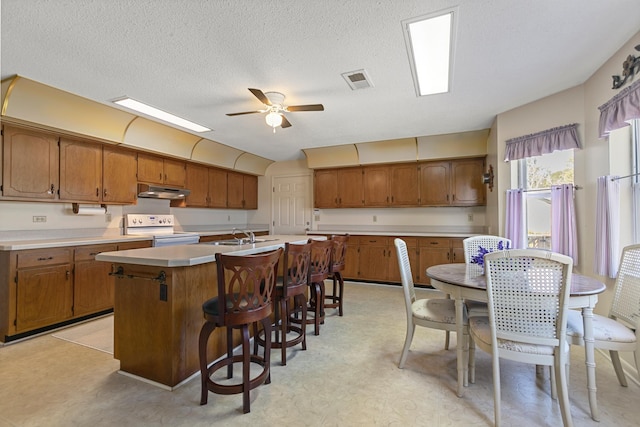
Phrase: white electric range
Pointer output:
(160, 227)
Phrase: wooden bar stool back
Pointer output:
(334, 300)
(245, 288)
(291, 288)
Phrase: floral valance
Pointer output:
(616, 112)
(547, 141)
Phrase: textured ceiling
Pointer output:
(197, 58)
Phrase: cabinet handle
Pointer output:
(391, 199)
(387, 199)
(93, 253)
(68, 274)
(52, 189)
(97, 191)
(448, 256)
(453, 197)
(104, 193)
(447, 197)
(433, 243)
(160, 176)
(45, 259)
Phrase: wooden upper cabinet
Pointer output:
(466, 182)
(452, 183)
(119, 181)
(435, 181)
(80, 171)
(404, 185)
(159, 170)
(242, 191)
(30, 164)
(391, 185)
(197, 182)
(351, 187)
(325, 188)
(218, 188)
(376, 186)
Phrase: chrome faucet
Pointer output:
(249, 234)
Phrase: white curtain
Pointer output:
(564, 236)
(515, 228)
(607, 250)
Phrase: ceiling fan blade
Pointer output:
(285, 122)
(310, 107)
(261, 96)
(244, 112)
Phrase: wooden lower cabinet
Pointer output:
(434, 251)
(40, 288)
(374, 262)
(43, 288)
(93, 286)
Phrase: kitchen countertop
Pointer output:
(393, 234)
(188, 255)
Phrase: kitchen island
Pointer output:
(158, 306)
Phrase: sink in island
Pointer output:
(158, 306)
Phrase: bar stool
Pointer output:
(245, 286)
(337, 266)
(290, 288)
(320, 269)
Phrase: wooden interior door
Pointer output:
(291, 204)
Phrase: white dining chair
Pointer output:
(435, 313)
(619, 330)
(471, 245)
(528, 292)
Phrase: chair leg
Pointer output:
(340, 293)
(617, 366)
(230, 351)
(284, 303)
(246, 364)
(496, 388)
(554, 382)
(472, 360)
(303, 309)
(446, 340)
(203, 340)
(266, 324)
(411, 327)
(563, 391)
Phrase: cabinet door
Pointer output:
(30, 164)
(80, 171)
(174, 172)
(352, 259)
(435, 184)
(44, 296)
(150, 169)
(457, 250)
(325, 185)
(198, 183)
(404, 188)
(466, 182)
(376, 186)
(217, 188)
(350, 188)
(429, 257)
(235, 190)
(92, 286)
(119, 181)
(374, 262)
(250, 191)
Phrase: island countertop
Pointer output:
(190, 255)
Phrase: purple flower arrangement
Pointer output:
(479, 259)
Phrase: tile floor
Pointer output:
(348, 376)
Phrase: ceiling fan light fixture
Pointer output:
(274, 120)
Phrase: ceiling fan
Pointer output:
(274, 106)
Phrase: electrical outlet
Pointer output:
(228, 217)
(375, 218)
(316, 217)
(107, 217)
(39, 218)
(470, 217)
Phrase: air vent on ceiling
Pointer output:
(357, 79)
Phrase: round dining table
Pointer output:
(467, 281)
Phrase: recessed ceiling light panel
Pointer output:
(140, 107)
(430, 43)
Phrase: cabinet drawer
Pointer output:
(134, 245)
(374, 240)
(88, 253)
(40, 257)
(435, 242)
(457, 243)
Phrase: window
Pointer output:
(536, 175)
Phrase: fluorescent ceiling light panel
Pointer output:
(159, 114)
(429, 43)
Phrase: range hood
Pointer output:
(160, 192)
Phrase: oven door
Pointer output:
(175, 239)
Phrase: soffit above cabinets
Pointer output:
(454, 145)
(28, 102)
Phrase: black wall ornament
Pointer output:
(629, 67)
